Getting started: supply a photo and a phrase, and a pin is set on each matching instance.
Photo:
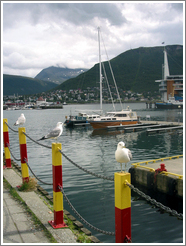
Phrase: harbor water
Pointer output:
(93, 197)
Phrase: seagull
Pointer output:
(55, 133)
(122, 154)
(21, 120)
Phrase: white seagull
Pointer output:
(122, 154)
(55, 133)
(21, 120)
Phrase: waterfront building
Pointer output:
(170, 85)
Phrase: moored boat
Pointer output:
(82, 119)
(117, 118)
(170, 104)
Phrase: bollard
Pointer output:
(122, 208)
(57, 181)
(23, 154)
(6, 144)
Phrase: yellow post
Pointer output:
(57, 181)
(122, 208)
(6, 144)
(23, 154)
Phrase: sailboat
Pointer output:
(113, 118)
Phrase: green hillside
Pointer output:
(135, 69)
(20, 85)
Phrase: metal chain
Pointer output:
(85, 170)
(46, 146)
(8, 145)
(35, 175)
(49, 147)
(87, 223)
(154, 202)
(147, 198)
(10, 127)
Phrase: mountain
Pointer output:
(135, 69)
(13, 84)
(58, 74)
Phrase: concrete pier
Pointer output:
(167, 186)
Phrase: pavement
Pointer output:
(18, 226)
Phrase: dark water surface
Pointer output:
(93, 198)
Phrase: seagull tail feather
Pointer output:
(41, 138)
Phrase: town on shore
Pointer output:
(60, 97)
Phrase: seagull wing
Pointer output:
(56, 132)
(21, 120)
(129, 154)
(16, 123)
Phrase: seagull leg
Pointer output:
(121, 167)
(125, 167)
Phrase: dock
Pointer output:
(164, 129)
(164, 186)
(149, 126)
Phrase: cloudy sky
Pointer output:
(42, 34)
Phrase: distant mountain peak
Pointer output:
(58, 75)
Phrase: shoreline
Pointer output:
(75, 233)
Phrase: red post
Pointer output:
(6, 144)
(57, 181)
(122, 208)
(23, 154)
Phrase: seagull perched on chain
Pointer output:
(20, 121)
(55, 133)
(122, 154)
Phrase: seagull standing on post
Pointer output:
(122, 154)
(55, 133)
(20, 121)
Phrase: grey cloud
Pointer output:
(177, 6)
(37, 35)
(166, 10)
(14, 13)
(87, 11)
(76, 13)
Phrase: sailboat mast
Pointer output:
(100, 75)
